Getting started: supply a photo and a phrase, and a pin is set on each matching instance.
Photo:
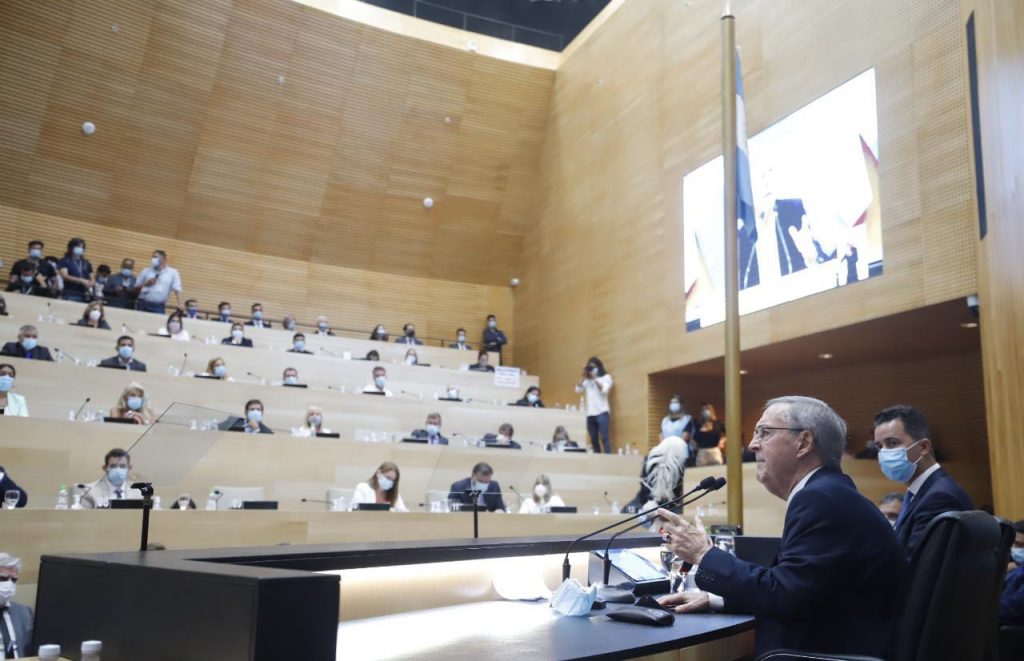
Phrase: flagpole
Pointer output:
(734, 446)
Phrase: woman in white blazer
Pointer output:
(11, 403)
(543, 499)
(381, 488)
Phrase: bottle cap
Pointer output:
(92, 646)
(49, 651)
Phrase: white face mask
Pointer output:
(291, 380)
(174, 327)
(540, 490)
(675, 407)
(7, 590)
(384, 482)
(453, 393)
(381, 381)
(571, 598)
(433, 429)
(314, 420)
(480, 486)
(532, 397)
(237, 334)
(410, 360)
(95, 315)
(462, 338)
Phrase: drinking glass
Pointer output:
(183, 501)
(11, 497)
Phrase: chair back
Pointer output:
(947, 603)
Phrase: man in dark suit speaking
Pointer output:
(832, 586)
(906, 454)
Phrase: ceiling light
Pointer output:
(968, 324)
(743, 372)
(825, 356)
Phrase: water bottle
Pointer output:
(62, 499)
(615, 507)
(211, 501)
(76, 501)
(91, 650)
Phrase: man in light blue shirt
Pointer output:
(156, 283)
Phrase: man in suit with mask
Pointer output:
(15, 619)
(481, 480)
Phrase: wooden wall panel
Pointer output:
(636, 106)
(999, 26)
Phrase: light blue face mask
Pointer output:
(895, 465)
(126, 273)
(27, 279)
(117, 476)
(29, 343)
(1017, 553)
(134, 403)
(255, 415)
(125, 351)
(300, 345)
(78, 251)
(6, 383)
(219, 371)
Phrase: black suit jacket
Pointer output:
(7, 484)
(422, 433)
(415, 341)
(15, 350)
(246, 342)
(114, 362)
(259, 324)
(834, 581)
(492, 497)
(939, 493)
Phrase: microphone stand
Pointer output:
(147, 504)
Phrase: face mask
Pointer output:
(254, 415)
(1017, 554)
(380, 381)
(219, 370)
(895, 465)
(125, 351)
(480, 486)
(78, 251)
(502, 439)
(6, 383)
(453, 393)
(29, 343)
(117, 476)
(291, 380)
(540, 490)
(322, 325)
(225, 313)
(192, 312)
(155, 262)
(134, 403)
(532, 397)
(27, 279)
(174, 327)
(300, 345)
(237, 334)
(257, 315)
(410, 360)
(410, 332)
(315, 420)
(7, 591)
(492, 324)
(127, 273)
(102, 280)
(385, 482)
(382, 333)
(704, 414)
(35, 253)
(289, 325)
(94, 315)
(462, 338)
(571, 598)
(433, 429)
(675, 407)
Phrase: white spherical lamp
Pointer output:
(428, 203)
(88, 128)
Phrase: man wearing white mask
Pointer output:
(378, 387)
(156, 284)
(15, 619)
(906, 454)
(503, 438)
(460, 341)
(114, 485)
(432, 432)
(481, 481)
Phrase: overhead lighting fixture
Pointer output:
(743, 372)
(825, 356)
(968, 324)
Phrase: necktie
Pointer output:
(119, 493)
(907, 497)
(5, 636)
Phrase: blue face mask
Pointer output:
(257, 315)
(300, 345)
(117, 476)
(127, 273)
(895, 465)
(219, 371)
(1017, 553)
(255, 415)
(27, 279)
(35, 253)
(125, 351)
(134, 403)
(78, 251)
(29, 343)
(6, 383)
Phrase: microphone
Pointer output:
(256, 376)
(706, 483)
(518, 495)
(74, 358)
(412, 394)
(49, 312)
(717, 484)
(605, 496)
(329, 353)
(79, 411)
(316, 500)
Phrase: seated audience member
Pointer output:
(661, 476)
(322, 328)
(252, 423)
(313, 423)
(560, 440)
(17, 620)
(372, 355)
(451, 393)
(543, 498)
(11, 403)
(156, 284)
(1011, 603)
(460, 341)
(503, 438)
(76, 272)
(257, 317)
(192, 308)
(678, 422)
(93, 317)
(870, 450)
(133, 405)
(494, 339)
(380, 379)
(175, 327)
(238, 338)
(119, 292)
(290, 376)
(42, 271)
(531, 398)
(125, 358)
(102, 275)
(115, 483)
(217, 368)
(8, 484)
(299, 344)
(408, 336)
(710, 437)
(482, 480)
(432, 432)
(482, 363)
(381, 488)
(907, 454)
(891, 505)
(27, 346)
(411, 357)
(290, 323)
(3, 307)
(224, 312)
(835, 580)
(379, 334)
(26, 280)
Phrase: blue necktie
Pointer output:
(907, 497)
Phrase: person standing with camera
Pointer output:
(595, 385)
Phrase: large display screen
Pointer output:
(816, 221)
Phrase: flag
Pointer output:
(747, 235)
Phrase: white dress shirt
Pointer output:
(364, 493)
(595, 393)
(919, 481)
(531, 506)
(16, 405)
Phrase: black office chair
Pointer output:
(947, 605)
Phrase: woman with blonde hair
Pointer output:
(313, 423)
(133, 405)
(218, 369)
(382, 487)
(543, 498)
(93, 316)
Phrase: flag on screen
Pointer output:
(749, 275)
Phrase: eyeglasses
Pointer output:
(762, 432)
(13, 579)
